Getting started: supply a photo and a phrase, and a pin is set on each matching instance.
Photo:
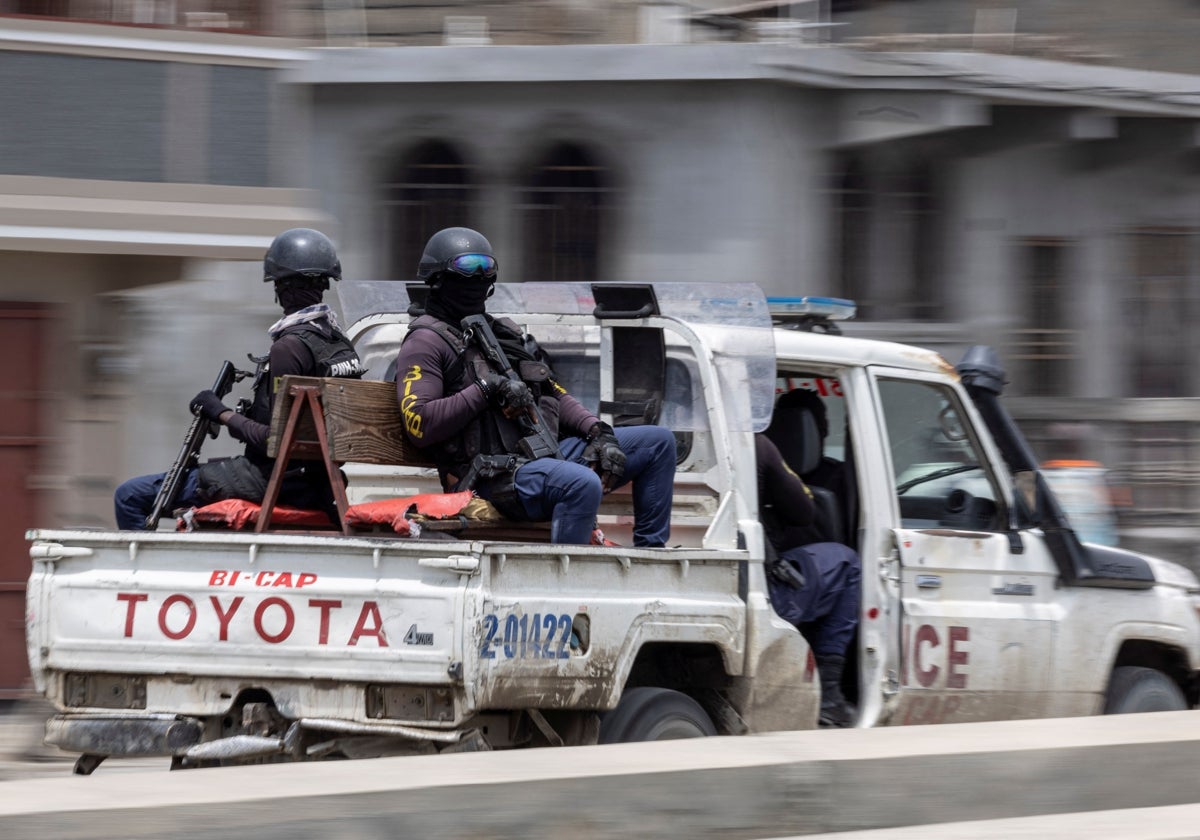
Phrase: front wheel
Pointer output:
(1134, 689)
(654, 714)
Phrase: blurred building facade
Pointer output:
(130, 158)
(967, 172)
(1047, 208)
(1151, 34)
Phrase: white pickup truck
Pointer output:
(978, 601)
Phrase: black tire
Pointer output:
(1133, 689)
(654, 714)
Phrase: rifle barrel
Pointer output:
(189, 452)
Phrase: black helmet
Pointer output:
(301, 254)
(447, 244)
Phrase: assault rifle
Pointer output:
(538, 442)
(189, 453)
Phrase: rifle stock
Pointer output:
(539, 443)
(189, 452)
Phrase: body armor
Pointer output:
(490, 433)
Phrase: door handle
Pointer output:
(929, 581)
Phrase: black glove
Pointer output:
(604, 455)
(208, 405)
(512, 396)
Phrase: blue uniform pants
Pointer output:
(567, 492)
(826, 607)
(134, 499)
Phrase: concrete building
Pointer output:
(1151, 35)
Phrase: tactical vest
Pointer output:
(333, 355)
(305, 484)
(490, 432)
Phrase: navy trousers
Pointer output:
(567, 492)
(134, 499)
(826, 607)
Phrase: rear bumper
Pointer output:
(148, 734)
(124, 735)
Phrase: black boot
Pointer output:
(835, 712)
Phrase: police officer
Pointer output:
(454, 404)
(306, 341)
(815, 586)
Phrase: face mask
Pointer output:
(472, 297)
(293, 299)
(457, 298)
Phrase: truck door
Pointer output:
(977, 618)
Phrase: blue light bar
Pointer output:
(826, 308)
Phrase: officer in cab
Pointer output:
(458, 406)
(813, 581)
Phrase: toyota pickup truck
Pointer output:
(979, 602)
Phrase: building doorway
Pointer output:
(24, 333)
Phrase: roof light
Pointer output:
(807, 313)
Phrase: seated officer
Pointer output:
(458, 407)
(815, 586)
(306, 341)
(799, 427)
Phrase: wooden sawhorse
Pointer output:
(334, 421)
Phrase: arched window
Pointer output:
(431, 189)
(563, 213)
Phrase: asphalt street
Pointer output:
(1129, 777)
(24, 756)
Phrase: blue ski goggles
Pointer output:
(468, 265)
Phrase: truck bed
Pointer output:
(187, 622)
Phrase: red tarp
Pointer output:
(239, 513)
(395, 513)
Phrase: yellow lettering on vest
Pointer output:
(412, 420)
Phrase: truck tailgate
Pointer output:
(258, 605)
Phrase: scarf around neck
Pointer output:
(316, 312)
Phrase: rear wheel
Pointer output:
(655, 714)
(1135, 689)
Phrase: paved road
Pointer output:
(24, 756)
(1137, 776)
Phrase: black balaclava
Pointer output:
(453, 297)
(294, 298)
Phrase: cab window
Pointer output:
(942, 479)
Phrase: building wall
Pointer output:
(1049, 192)
(722, 187)
(133, 159)
(1153, 34)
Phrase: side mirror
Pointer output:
(1028, 510)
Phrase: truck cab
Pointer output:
(979, 600)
